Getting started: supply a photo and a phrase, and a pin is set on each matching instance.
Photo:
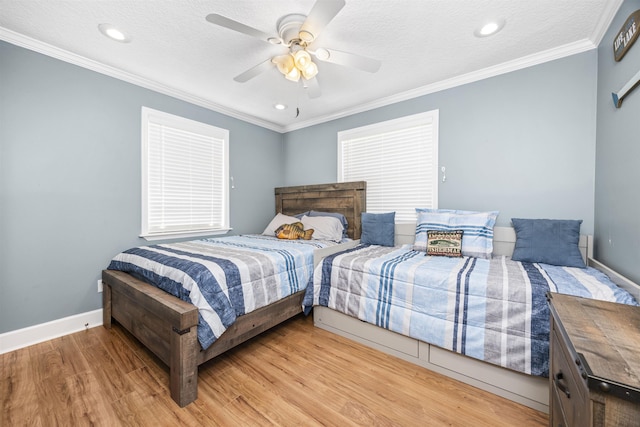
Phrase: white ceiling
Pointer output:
(424, 46)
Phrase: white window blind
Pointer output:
(184, 176)
(399, 161)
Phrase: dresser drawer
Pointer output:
(567, 387)
(557, 417)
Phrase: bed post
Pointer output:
(183, 368)
(106, 305)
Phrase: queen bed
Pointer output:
(480, 319)
(209, 295)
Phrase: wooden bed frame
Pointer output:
(528, 390)
(166, 325)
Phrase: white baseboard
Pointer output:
(35, 334)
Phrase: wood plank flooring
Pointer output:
(292, 375)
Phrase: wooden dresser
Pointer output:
(594, 372)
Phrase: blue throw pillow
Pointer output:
(378, 229)
(549, 241)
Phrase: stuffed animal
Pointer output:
(293, 232)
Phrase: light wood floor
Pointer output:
(293, 375)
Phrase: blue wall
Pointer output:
(70, 180)
(522, 143)
(617, 200)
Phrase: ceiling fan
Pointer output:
(297, 33)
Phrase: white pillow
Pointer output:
(276, 222)
(324, 227)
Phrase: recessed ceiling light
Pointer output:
(114, 33)
(489, 28)
(280, 107)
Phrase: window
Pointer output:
(398, 159)
(185, 167)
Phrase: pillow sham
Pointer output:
(444, 243)
(341, 217)
(276, 222)
(378, 229)
(325, 227)
(548, 241)
(477, 240)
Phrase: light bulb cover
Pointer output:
(293, 75)
(310, 71)
(295, 65)
(284, 63)
(302, 59)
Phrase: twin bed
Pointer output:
(482, 321)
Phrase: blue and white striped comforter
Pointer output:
(490, 309)
(224, 277)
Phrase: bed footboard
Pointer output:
(164, 324)
(168, 327)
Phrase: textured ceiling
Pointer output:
(424, 46)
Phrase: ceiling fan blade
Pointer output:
(322, 12)
(225, 22)
(363, 63)
(312, 87)
(254, 71)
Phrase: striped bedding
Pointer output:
(224, 277)
(490, 309)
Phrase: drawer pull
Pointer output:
(562, 386)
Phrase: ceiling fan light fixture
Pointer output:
(302, 59)
(310, 71)
(297, 32)
(296, 64)
(293, 75)
(284, 63)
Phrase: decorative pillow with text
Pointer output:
(444, 243)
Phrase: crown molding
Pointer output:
(72, 58)
(606, 19)
(506, 67)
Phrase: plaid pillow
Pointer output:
(477, 226)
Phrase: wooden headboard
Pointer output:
(347, 198)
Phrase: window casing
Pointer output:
(398, 159)
(185, 166)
